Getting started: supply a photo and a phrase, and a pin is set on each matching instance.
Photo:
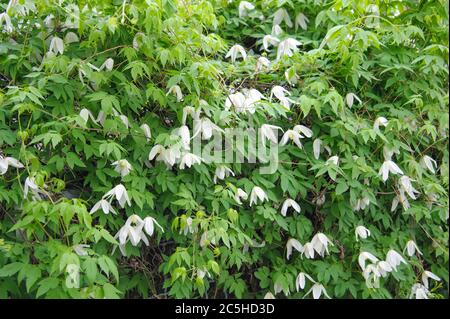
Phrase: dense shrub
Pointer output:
(102, 194)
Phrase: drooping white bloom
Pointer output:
(287, 47)
(85, 114)
(290, 203)
(149, 225)
(104, 205)
(317, 290)
(30, 184)
(108, 64)
(302, 21)
(189, 159)
(268, 131)
(380, 121)
(123, 167)
(293, 136)
(308, 250)
(8, 161)
(269, 295)
(428, 274)
(279, 92)
(300, 281)
(257, 193)
(189, 110)
(361, 204)
(185, 137)
(4, 18)
(121, 195)
(234, 51)
(389, 167)
(147, 132)
(276, 30)
(262, 62)
(419, 291)
(131, 231)
(236, 100)
(252, 97)
(429, 163)
(394, 259)
(384, 268)
(400, 198)
(406, 185)
(320, 243)
(206, 128)
(293, 243)
(244, 7)
(221, 172)
(270, 40)
(333, 160)
(363, 256)
(240, 193)
(175, 89)
(411, 248)
(350, 98)
(303, 130)
(80, 249)
(280, 16)
(316, 148)
(361, 232)
(56, 46)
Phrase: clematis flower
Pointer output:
(363, 256)
(185, 137)
(316, 148)
(303, 130)
(257, 193)
(379, 121)
(237, 100)
(428, 162)
(406, 185)
(350, 98)
(293, 136)
(169, 156)
(175, 89)
(121, 195)
(290, 203)
(85, 114)
(428, 274)
(30, 184)
(268, 131)
(333, 160)
(361, 204)
(320, 243)
(280, 16)
(287, 47)
(262, 62)
(389, 167)
(302, 21)
(300, 281)
(8, 161)
(108, 64)
(276, 30)
(279, 92)
(270, 40)
(206, 128)
(394, 259)
(308, 250)
(362, 232)
(252, 96)
(400, 198)
(189, 110)
(104, 205)
(317, 291)
(147, 132)
(269, 295)
(149, 225)
(56, 46)
(4, 18)
(293, 243)
(222, 172)
(234, 51)
(189, 159)
(244, 7)
(240, 194)
(123, 167)
(411, 248)
(419, 291)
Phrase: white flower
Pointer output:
(429, 163)
(361, 204)
(124, 120)
(303, 130)
(104, 205)
(262, 62)
(121, 195)
(317, 290)
(85, 114)
(56, 45)
(169, 156)
(428, 274)
(240, 194)
(237, 100)
(276, 30)
(293, 243)
(268, 131)
(293, 136)
(384, 268)
(222, 172)
(280, 16)
(405, 184)
(389, 167)
(279, 92)
(362, 232)
(123, 167)
(31, 184)
(320, 243)
(149, 227)
(8, 161)
(175, 89)
(302, 21)
(363, 256)
(394, 259)
(206, 128)
(316, 148)
(333, 160)
(234, 51)
(270, 40)
(108, 64)
(287, 47)
(245, 6)
(147, 132)
(350, 97)
(185, 137)
(269, 295)
(419, 291)
(290, 203)
(257, 193)
(131, 231)
(80, 249)
(4, 17)
(252, 96)
(380, 121)
(189, 110)
(411, 248)
(308, 250)
(400, 198)
(300, 281)
(189, 159)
